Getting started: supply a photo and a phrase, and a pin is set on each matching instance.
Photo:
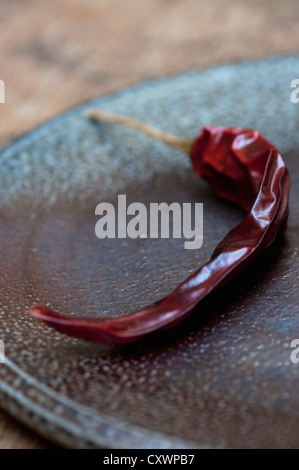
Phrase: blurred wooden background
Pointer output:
(56, 54)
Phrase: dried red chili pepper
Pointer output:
(240, 166)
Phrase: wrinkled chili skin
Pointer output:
(241, 167)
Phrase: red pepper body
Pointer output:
(240, 166)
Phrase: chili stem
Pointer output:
(185, 145)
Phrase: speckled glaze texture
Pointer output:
(222, 379)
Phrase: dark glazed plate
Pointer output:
(224, 377)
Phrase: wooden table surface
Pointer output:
(56, 54)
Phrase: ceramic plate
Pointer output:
(224, 377)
